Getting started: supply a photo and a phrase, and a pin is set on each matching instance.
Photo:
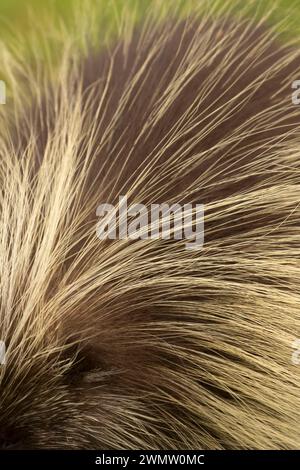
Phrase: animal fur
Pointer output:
(144, 344)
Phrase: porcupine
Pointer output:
(145, 344)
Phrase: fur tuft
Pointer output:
(144, 344)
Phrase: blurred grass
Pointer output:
(25, 16)
(13, 13)
(15, 10)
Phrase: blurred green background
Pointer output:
(23, 16)
(14, 11)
